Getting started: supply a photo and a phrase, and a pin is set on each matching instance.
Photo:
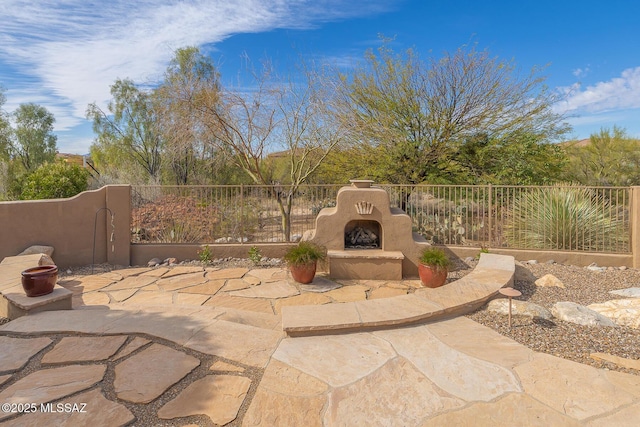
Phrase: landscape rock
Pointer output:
(550, 261)
(523, 274)
(154, 261)
(531, 261)
(579, 314)
(624, 312)
(521, 308)
(45, 260)
(594, 267)
(38, 249)
(629, 292)
(171, 261)
(549, 280)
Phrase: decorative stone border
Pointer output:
(462, 296)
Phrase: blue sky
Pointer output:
(64, 54)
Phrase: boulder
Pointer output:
(629, 292)
(579, 314)
(38, 249)
(45, 260)
(549, 280)
(154, 261)
(624, 312)
(523, 274)
(522, 308)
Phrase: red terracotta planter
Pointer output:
(303, 273)
(38, 281)
(430, 277)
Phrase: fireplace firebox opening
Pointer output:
(361, 234)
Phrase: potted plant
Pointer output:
(302, 260)
(433, 267)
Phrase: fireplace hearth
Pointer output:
(365, 237)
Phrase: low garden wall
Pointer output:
(68, 226)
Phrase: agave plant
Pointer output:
(565, 218)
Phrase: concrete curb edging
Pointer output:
(462, 296)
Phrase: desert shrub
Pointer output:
(180, 232)
(54, 181)
(565, 218)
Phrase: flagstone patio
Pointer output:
(205, 346)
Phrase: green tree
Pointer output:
(33, 140)
(55, 180)
(190, 79)
(420, 113)
(129, 132)
(518, 160)
(610, 158)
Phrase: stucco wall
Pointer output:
(68, 226)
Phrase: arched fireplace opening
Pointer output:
(363, 234)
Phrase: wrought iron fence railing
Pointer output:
(593, 219)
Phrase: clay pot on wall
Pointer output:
(433, 267)
(38, 281)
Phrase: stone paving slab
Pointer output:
(396, 310)
(145, 376)
(271, 290)
(135, 344)
(85, 321)
(376, 400)
(16, 352)
(245, 344)
(219, 397)
(337, 360)
(514, 409)
(559, 384)
(83, 349)
(456, 333)
(455, 372)
(132, 282)
(51, 384)
(98, 412)
(249, 304)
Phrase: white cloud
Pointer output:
(71, 51)
(581, 72)
(616, 94)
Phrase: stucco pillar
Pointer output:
(634, 222)
(118, 200)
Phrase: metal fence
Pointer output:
(593, 219)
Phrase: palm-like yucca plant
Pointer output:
(565, 218)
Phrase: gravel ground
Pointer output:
(563, 339)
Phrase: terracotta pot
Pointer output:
(303, 273)
(431, 277)
(38, 281)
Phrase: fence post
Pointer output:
(241, 214)
(490, 191)
(634, 222)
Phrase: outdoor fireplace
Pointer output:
(359, 234)
(365, 237)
